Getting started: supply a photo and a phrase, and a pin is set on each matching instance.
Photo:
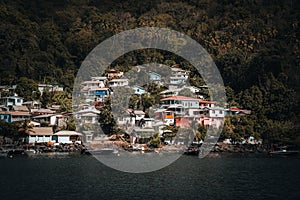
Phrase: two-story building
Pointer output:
(88, 115)
(12, 100)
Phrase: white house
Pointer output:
(165, 116)
(139, 90)
(89, 115)
(50, 88)
(40, 135)
(185, 102)
(215, 112)
(50, 118)
(118, 82)
(67, 137)
(92, 83)
(213, 117)
(194, 112)
(101, 79)
(43, 87)
(13, 100)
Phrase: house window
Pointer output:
(221, 112)
(213, 112)
(19, 100)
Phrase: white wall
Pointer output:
(39, 139)
(64, 139)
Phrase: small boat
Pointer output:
(284, 151)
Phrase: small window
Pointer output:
(213, 112)
(221, 112)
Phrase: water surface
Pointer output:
(224, 177)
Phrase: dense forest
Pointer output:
(254, 43)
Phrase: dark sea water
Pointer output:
(224, 177)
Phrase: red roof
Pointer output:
(204, 101)
(234, 108)
(179, 98)
(16, 113)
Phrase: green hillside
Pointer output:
(254, 43)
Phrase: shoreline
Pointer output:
(87, 149)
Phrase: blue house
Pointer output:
(13, 116)
(5, 116)
(102, 92)
(155, 77)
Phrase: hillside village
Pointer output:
(179, 106)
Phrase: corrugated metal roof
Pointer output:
(41, 131)
(67, 133)
(180, 98)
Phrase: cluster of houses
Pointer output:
(174, 109)
(46, 124)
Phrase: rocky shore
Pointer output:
(10, 150)
(240, 148)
